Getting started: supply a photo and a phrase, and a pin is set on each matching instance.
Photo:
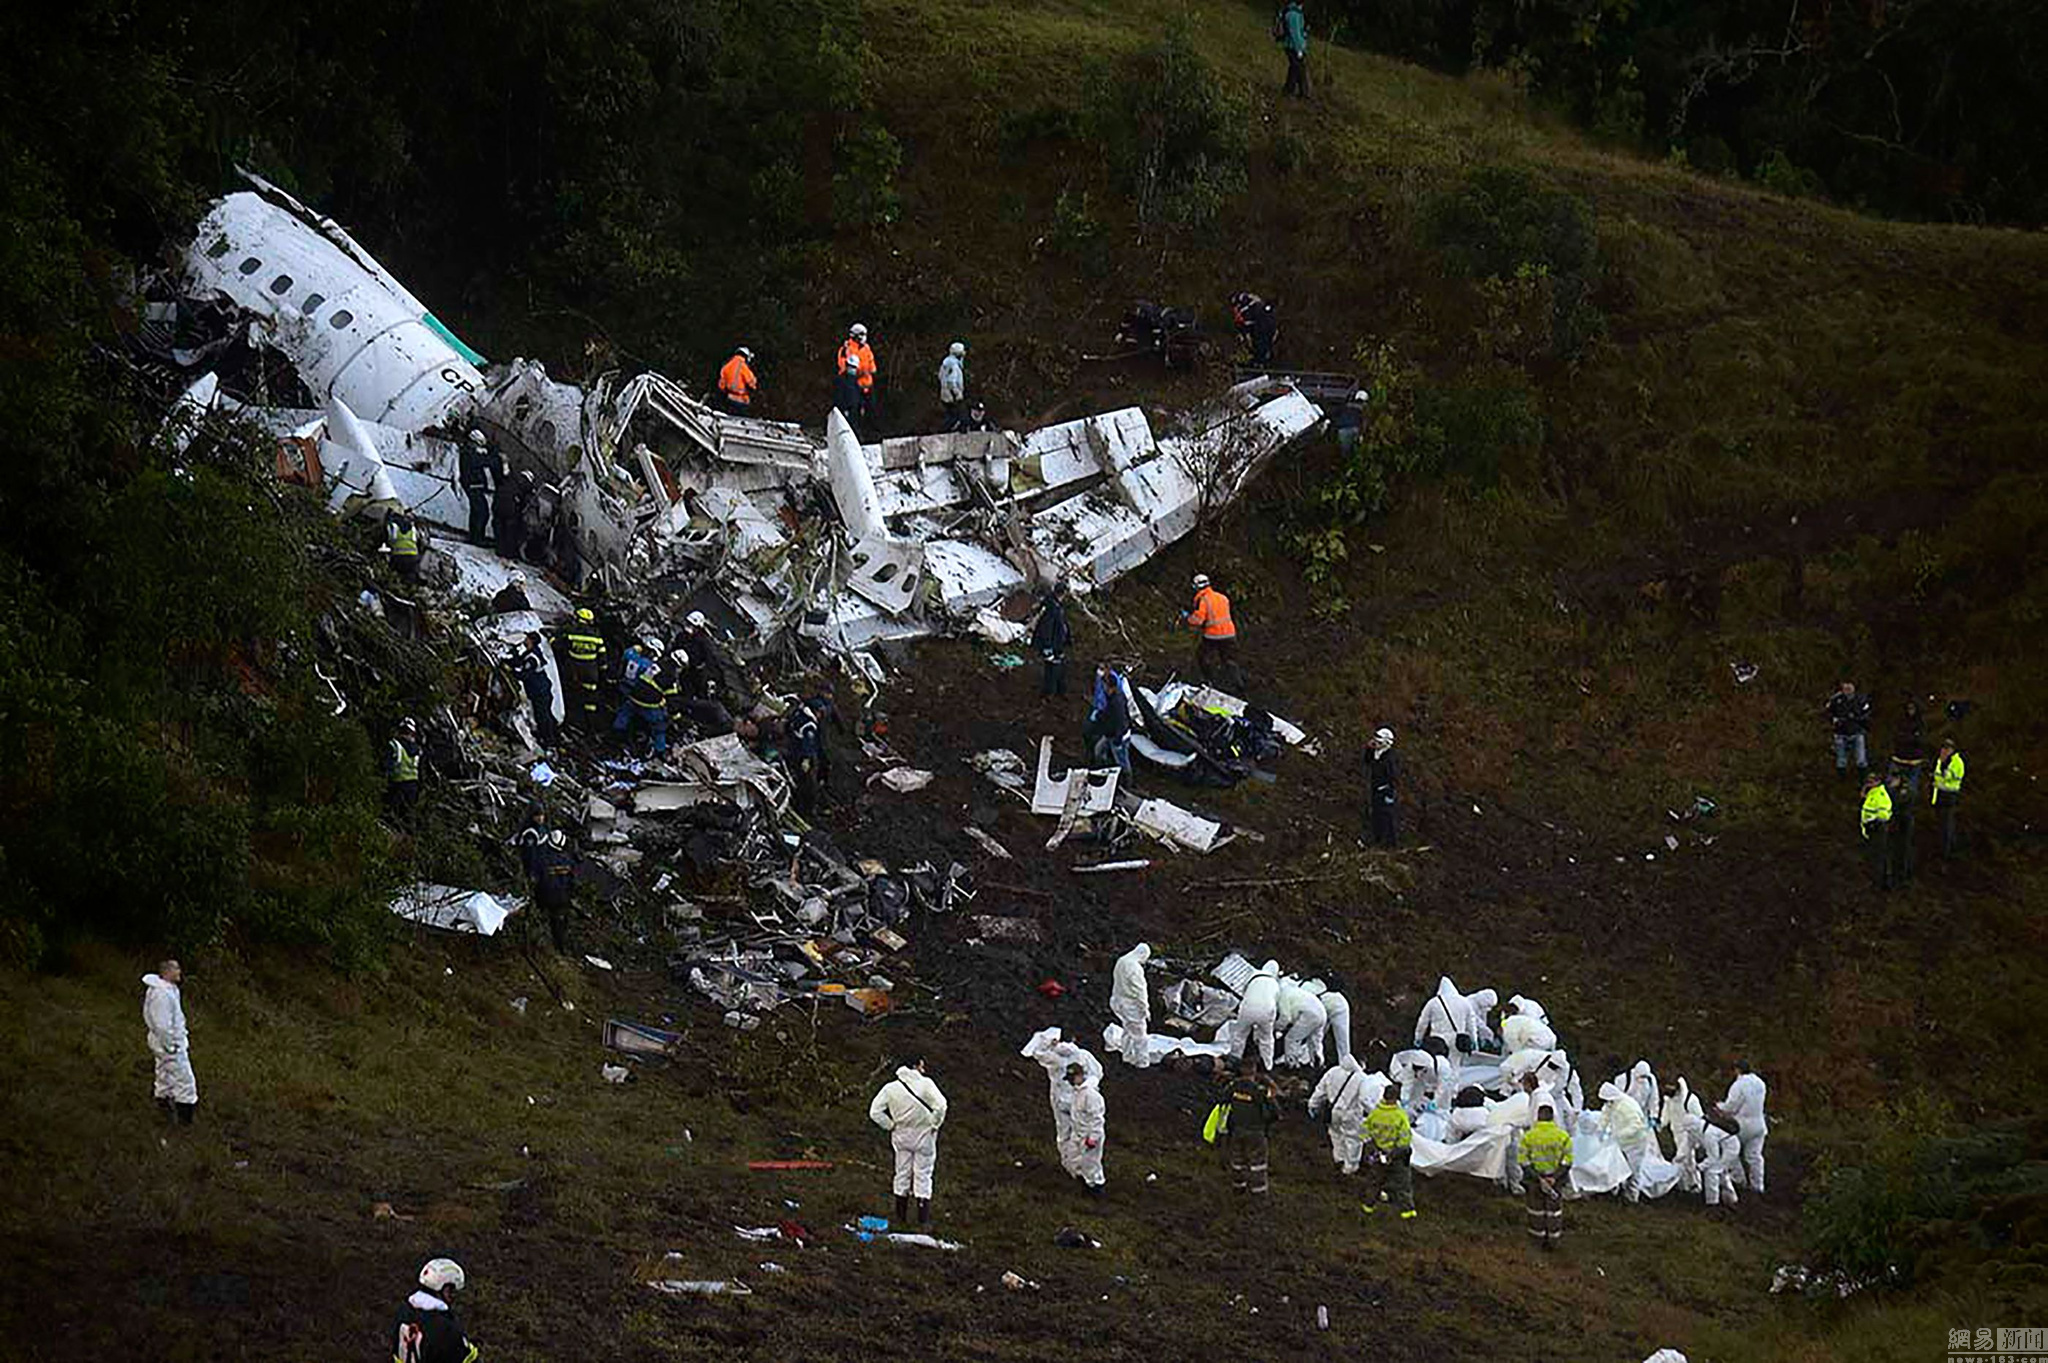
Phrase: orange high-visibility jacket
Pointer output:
(737, 380)
(867, 361)
(1211, 615)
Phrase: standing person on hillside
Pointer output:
(1130, 1002)
(1382, 774)
(953, 386)
(1051, 636)
(1877, 829)
(911, 1109)
(977, 418)
(552, 866)
(858, 360)
(163, 1013)
(1251, 1107)
(530, 665)
(1347, 1091)
(407, 541)
(736, 382)
(1947, 794)
(1745, 1105)
(582, 659)
(402, 769)
(1389, 1146)
(1908, 762)
(428, 1330)
(1081, 1151)
(1291, 31)
(1108, 727)
(1258, 325)
(1849, 715)
(1544, 1156)
(846, 395)
(1216, 633)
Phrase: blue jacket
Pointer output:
(1294, 31)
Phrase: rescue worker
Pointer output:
(1685, 1120)
(953, 386)
(512, 596)
(1849, 715)
(552, 866)
(1389, 1144)
(1292, 33)
(1382, 775)
(1631, 1132)
(1056, 1057)
(1745, 1106)
(583, 668)
(1050, 636)
(530, 665)
(1545, 1158)
(846, 394)
(1947, 793)
(402, 767)
(428, 1330)
(1258, 1013)
(1346, 1090)
(645, 700)
(857, 359)
(1877, 826)
(977, 418)
(1258, 324)
(1081, 1152)
(1251, 1107)
(1130, 1001)
(736, 382)
(1108, 729)
(508, 513)
(809, 764)
(1300, 1020)
(533, 836)
(407, 541)
(1337, 1009)
(480, 470)
(1720, 1165)
(1209, 618)
(175, 1087)
(911, 1109)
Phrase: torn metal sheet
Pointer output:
(887, 572)
(1177, 827)
(1051, 796)
(455, 910)
(481, 574)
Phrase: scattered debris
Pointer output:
(987, 843)
(1067, 1237)
(991, 929)
(1017, 1282)
(781, 1165)
(615, 1074)
(600, 962)
(902, 780)
(1102, 867)
(713, 1287)
(1745, 673)
(634, 1039)
(454, 910)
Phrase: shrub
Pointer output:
(1178, 131)
(1501, 224)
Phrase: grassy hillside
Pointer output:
(1782, 435)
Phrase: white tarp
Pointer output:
(455, 910)
(1158, 1047)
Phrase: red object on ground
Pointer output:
(1052, 989)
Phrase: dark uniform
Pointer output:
(1382, 775)
(428, 1331)
(552, 864)
(809, 764)
(1253, 1112)
(531, 667)
(1051, 637)
(481, 470)
(583, 669)
(646, 702)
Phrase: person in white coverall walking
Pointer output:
(1131, 1003)
(1081, 1149)
(1349, 1092)
(1745, 1104)
(163, 1014)
(911, 1109)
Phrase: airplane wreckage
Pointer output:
(767, 527)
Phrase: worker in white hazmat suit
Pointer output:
(1631, 1132)
(1131, 1003)
(1641, 1085)
(1683, 1118)
(1745, 1103)
(1444, 1015)
(1526, 1028)
(911, 1109)
(1479, 1019)
(1257, 1013)
(1720, 1165)
(1057, 1056)
(1081, 1149)
(163, 1015)
(1349, 1093)
(1337, 1010)
(1301, 1019)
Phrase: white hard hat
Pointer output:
(476, 436)
(1385, 738)
(440, 1274)
(558, 839)
(957, 348)
(857, 329)
(518, 578)
(696, 620)
(746, 353)
(1361, 396)
(1201, 581)
(853, 364)
(651, 644)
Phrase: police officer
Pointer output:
(1948, 793)
(1877, 829)
(402, 767)
(1382, 773)
(408, 541)
(810, 765)
(530, 665)
(552, 866)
